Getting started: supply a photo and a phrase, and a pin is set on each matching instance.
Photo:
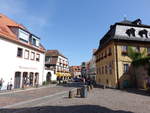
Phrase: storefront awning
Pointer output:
(63, 74)
(59, 74)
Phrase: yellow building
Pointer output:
(112, 62)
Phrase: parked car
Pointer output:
(77, 79)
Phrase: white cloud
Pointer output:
(12, 7)
(19, 11)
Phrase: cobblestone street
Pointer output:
(98, 101)
(25, 95)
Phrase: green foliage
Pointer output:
(50, 82)
(142, 61)
(45, 83)
(135, 55)
(53, 82)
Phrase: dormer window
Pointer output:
(130, 32)
(143, 33)
(34, 41)
(23, 35)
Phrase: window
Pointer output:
(143, 33)
(100, 70)
(103, 70)
(110, 68)
(109, 51)
(97, 70)
(137, 49)
(125, 68)
(19, 52)
(23, 35)
(26, 54)
(37, 57)
(105, 53)
(106, 69)
(148, 51)
(102, 55)
(34, 41)
(124, 50)
(107, 81)
(32, 55)
(130, 32)
(47, 58)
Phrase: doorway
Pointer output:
(17, 80)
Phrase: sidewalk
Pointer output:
(25, 89)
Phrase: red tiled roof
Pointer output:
(54, 53)
(6, 33)
(75, 68)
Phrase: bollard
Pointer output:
(84, 91)
(36, 85)
(78, 91)
(88, 88)
(91, 86)
(104, 86)
(70, 94)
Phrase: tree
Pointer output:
(134, 55)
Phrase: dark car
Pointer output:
(77, 80)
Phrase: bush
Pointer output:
(141, 61)
(45, 83)
(53, 82)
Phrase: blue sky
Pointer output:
(73, 26)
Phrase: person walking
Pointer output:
(1, 83)
(10, 85)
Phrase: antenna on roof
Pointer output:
(125, 17)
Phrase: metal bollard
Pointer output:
(104, 86)
(91, 86)
(36, 85)
(70, 94)
(88, 88)
(78, 91)
(84, 91)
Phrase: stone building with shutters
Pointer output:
(22, 55)
(112, 62)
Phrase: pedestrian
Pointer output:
(83, 80)
(1, 83)
(10, 85)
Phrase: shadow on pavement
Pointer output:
(64, 109)
(137, 91)
(72, 84)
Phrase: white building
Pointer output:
(58, 63)
(22, 57)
